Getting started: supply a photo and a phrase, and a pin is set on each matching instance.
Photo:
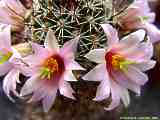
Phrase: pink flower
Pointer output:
(12, 12)
(7, 65)
(120, 66)
(50, 69)
(138, 15)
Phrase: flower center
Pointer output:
(51, 64)
(51, 67)
(115, 61)
(4, 56)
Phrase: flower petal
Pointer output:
(133, 38)
(146, 65)
(49, 100)
(16, 55)
(115, 95)
(136, 75)
(51, 41)
(39, 53)
(103, 90)
(8, 14)
(96, 55)
(111, 33)
(124, 94)
(24, 67)
(9, 83)
(66, 89)
(39, 93)
(69, 48)
(153, 32)
(139, 53)
(68, 76)
(30, 85)
(72, 65)
(142, 5)
(4, 68)
(98, 73)
(38, 50)
(5, 36)
(123, 81)
(45, 92)
(130, 41)
(16, 6)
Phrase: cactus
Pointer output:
(83, 19)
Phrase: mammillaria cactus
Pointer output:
(111, 39)
(67, 23)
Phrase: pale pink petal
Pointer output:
(39, 50)
(30, 85)
(131, 19)
(142, 52)
(4, 12)
(138, 52)
(24, 67)
(72, 65)
(103, 90)
(98, 73)
(51, 41)
(9, 83)
(133, 38)
(141, 4)
(151, 17)
(16, 6)
(124, 95)
(136, 75)
(5, 68)
(153, 32)
(69, 48)
(39, 93)
(111, 33)
(96, 55)
(9, 16)
(49, 100)
(130, 41)
(142, 7)
(146, 65)
(39, 53)
(66, 89)
(5, 36)
(45, 93)
(16, 55)
(148, 52)
(123, 81)
(32, 60)
(115, 95)
(68, 76)
(44, 90)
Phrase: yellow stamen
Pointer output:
(120, 63)
(50, 67)
(117, 60)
